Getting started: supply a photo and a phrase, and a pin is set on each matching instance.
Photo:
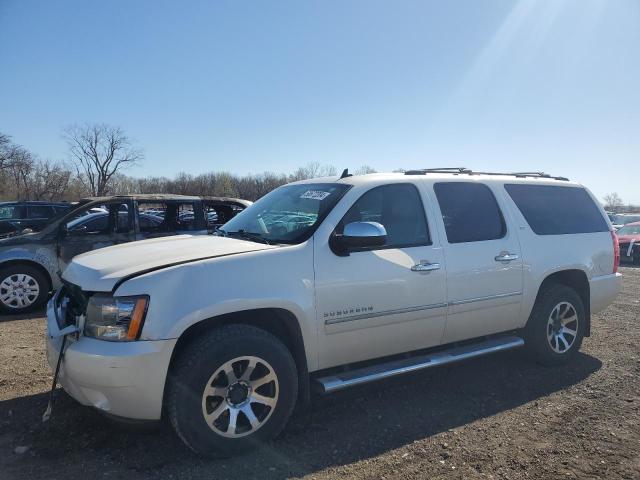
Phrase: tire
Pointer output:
(23, 288)
(207, 363)
(550, 320)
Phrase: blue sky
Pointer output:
(271, 85)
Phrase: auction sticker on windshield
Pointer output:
(315, 194)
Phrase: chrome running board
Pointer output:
(359, 376)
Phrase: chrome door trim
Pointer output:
(333, 321)
(482, 299)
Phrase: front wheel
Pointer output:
(22, 288)
(232, 389)
(556, 326)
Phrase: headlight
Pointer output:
(115, 318)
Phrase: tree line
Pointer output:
(99, 154)
(98, 157)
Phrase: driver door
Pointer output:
(382, 300)
(95, 227)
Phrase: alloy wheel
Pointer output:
(562, 327)
(240, 396)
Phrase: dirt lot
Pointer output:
(499, 417)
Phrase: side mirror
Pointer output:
(358, 235)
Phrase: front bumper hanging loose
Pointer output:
(69, 330)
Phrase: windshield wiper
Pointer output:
(254, 237)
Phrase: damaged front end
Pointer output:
(68, 305)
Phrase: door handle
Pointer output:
(506, 257)
(425, 266)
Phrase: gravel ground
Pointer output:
(497, 417)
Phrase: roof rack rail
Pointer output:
(438, 170)
(466, 171)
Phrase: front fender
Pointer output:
(184, 295)
(39, 255)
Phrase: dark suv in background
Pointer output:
(18, 216)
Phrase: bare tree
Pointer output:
(99, 151)
(612, 202)
(11, 154)
(5, 146)
(313, 170)
(364, 169)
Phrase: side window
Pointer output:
(148, 222)
(40, 211)
(470, 212)
(551, 210)
(173, 217)
(102, 219)
(122, 219)
(98, 223)
(8, 212)
(396, 207)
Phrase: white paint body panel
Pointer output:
(190, 279)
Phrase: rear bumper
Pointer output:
(125, 379)
(604, 289)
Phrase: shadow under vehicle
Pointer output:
(31, 263)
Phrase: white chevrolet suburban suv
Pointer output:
(330, 283)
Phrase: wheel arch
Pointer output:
(573, 278)
(281, 323)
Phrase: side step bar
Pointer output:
(341, 380)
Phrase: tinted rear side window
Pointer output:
(470, 212)
(551, 210)
(40, 211)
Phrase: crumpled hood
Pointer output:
(100, 270)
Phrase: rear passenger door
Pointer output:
(484, 262)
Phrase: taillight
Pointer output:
(616, 251)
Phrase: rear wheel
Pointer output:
(232, 390)
(22, 288)
(556, 327)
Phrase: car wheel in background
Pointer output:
(22, 288)
(231, 390)
(556, 326)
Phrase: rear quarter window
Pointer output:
(551, 210)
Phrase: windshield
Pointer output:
(289, 214)
(629, 230)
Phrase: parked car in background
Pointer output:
(223, 334)
(618, 220)
(32, 215)
(30, 264)
(219, 210)
(629, 238)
